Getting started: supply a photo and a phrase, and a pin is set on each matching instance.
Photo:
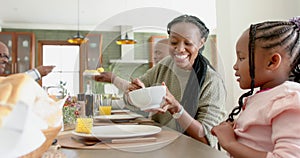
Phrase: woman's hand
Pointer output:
(169, 103)
(105, 77)
(225, 133)
(135, 84)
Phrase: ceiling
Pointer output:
(105, 15)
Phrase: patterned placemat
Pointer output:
(163, 138)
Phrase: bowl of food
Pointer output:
(148, 98)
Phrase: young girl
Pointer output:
(268, 55)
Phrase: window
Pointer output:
(66, 60)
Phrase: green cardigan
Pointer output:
(211, 108)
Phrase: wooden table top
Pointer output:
(182, 147)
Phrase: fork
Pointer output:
(116, 141)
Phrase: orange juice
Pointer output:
(84, 125)
(105, 110)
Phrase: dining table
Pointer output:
(184, 146)
(170, 143)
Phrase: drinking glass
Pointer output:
(102, 104)
(105, 104)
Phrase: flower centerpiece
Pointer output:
(70, 112)
(70, 108)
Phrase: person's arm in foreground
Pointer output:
(227, 140)
(40, 71)
(285, 135)
(110, 77)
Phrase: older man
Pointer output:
(36, 73)
(4, 56)
(161, 50)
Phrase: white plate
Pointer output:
(127, 116)
(120, 131)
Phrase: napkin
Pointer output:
(21, 132)
(25, 115)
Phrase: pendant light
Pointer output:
(126, 40)
(77, 39)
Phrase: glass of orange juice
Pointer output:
(102, 104)
(105, 104)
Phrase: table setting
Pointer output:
(135, 138)
(121, 137)
(119, 133)
(118, 129)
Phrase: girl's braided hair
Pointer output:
(272, 34)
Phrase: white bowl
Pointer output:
(148, 98)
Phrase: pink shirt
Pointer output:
(270, 121)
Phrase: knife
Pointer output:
(115, 141)
(134, 140)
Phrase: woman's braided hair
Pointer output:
(271, 34)
(204, 31)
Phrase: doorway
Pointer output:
(66, 58)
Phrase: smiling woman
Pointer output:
(195, 95)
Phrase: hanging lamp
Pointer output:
(126, 40)
(77, 39)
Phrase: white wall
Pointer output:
(233, 17)
(19, 14)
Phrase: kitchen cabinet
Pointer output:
(21, 47)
